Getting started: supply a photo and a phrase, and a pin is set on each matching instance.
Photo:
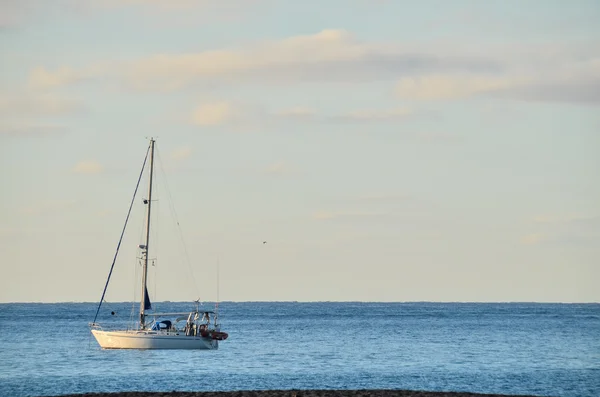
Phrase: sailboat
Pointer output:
(196, 329)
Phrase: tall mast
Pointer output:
(146, 245)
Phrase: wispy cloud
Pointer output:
(563, 219)
(20, 13)
(552, 218)
(307, 114)
(532, 239)
(42, 78)
(449, 87)
(246, 115)
(26, 104)
(368, 115)
(438, 136)
(561, 80)
(565, 72)
(297, 112)
(329, 55)
(48, 206)
(105, 213)
(213, 113)
(384, 196)
(27, 113)
(181, 153)
(278, 168)
(14, 13)
(329, 215)
(566, 229)
(178, 5)
(162, 4)
(21, 128)
(7, 232)
(281, 169)
(87, 167)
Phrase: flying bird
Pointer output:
(264, 242)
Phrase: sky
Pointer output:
(385, 150)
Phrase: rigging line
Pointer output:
(176, 219)
(122, 233)
(137, 263)
(155, 297)
(131, 323)
(157, 242)
(136, 269)
(217, 304)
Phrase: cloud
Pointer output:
(376, 115)
(174, 14)
(40, 78)
(18, 13)
(13, 13)
(448, 87)
(278, 168)
(48, 206)
(7, 232)
(26, 113)
(236, 115)
(568, 71)
(9, 14)
(297, 112)
(105, 213)
(35, 105)
(320, 215)
(213, 113)
(570, 80)
(292, 58)
(329, 215)
(438, 136)
(177, 5)
(162, 4)
(574, 80)
(582, 91)
(247, 115)
(329, 55)
(87, 167)
(564, 219)
(565, 229)
(532, 239)
(307, 114)
(181, 153)
(25, 128)
(384, 196)
(554, 218)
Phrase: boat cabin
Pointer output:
(198, 324)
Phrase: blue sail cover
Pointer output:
(147, 304)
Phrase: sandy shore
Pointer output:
(295, 393)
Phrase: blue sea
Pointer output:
(507, 348)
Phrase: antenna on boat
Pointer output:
(217, 303)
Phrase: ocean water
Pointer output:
(508, 348)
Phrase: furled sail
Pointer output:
(147, 304)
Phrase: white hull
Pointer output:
(152, 340)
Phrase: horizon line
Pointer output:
(310, 301)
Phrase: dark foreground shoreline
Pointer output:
(296, 393)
